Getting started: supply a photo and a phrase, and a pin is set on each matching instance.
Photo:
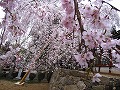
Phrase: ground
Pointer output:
(9, 85)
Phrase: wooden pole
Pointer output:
(23, 79)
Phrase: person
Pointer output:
(19, 66)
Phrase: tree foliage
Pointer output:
(72, 27)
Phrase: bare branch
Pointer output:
(111, 6)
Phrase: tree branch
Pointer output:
(116, 50)
(111, 6)
(77, 13)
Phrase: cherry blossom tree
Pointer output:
(93, 24)
(70, 26)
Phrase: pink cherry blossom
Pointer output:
(69, 10)
(68, 22)
(3, 4)
(81, 59)
(31, 24)
(117, 65)
(89, 55)
(66, 4)
(96, 77)
(116, 56)
(87, 12)
(87, 35)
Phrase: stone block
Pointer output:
(81, 85)
(71, 87)
(99, 87)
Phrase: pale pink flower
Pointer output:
(69, 10)
(77, 57)
(3, 4)
(116, 56)
(89, 55)
(109, 43)
(87, 34)
(87, 13)
(90, 42)
(67, 6)
(113, 42)
(97, 3)
(100, 38)
(80, 58)
(68, 22)
(65, 3)
(117, 65)
(104, 45)
(96, 78)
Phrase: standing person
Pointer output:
(19, 65)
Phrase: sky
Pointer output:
(116, 4)
(1, 13)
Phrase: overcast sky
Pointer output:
(1, 13)
(116, 3)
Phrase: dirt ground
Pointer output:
(9, 85)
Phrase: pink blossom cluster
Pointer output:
(109, 43)
(38, 17)
(92, 38)
(7, 4)
(84, 58)
(91, 17)
(68, 21)
(97, 16)
(116, 56)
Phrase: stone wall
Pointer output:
(65, 79)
